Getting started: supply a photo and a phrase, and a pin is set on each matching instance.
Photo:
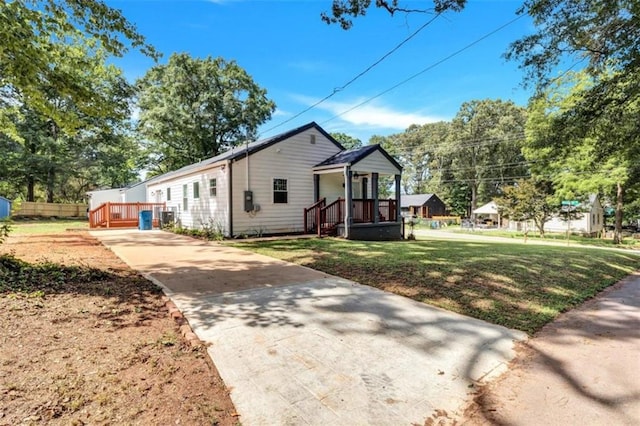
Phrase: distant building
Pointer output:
(424, 206)
(5, 207)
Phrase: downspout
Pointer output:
(247, 156)
(230, 196)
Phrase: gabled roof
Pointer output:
(352, 156)
(241, 151)
(490, 208)
(415, 199)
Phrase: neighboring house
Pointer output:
(135, 193)
(300, 178)
(589, 221)
(422, 205)
(5, 207)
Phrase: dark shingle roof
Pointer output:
(349, 157)
(414, 200)
(354, 155)
(241, 151)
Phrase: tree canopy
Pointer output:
(582, 156)
(343, 11)
(347, 141)
(192, 109)
(35, 60)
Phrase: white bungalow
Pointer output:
(588, 220)
(299, 181)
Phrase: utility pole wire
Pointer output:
(366, 70)
(430, 67)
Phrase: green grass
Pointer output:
(627, 242)
(515, 285)
(46, 226)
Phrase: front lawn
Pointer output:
(46, 226)
(515, 285)
(627, 242)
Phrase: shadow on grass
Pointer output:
(517, 286)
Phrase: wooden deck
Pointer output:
(123, 215)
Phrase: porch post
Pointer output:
(348, 201)
(316, 188)
(397, 198)
(376, 200)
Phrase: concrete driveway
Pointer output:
(297, 346)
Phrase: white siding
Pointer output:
(137, 194)
(291, 159)
(331, 186)
(589, 222)
(97, 198)
(205, 210)
(375, 162)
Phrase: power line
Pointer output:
(366, 70)
(430, 67)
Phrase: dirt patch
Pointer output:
(99, 347)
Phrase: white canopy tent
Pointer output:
(491, 210)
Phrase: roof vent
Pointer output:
(312, 139)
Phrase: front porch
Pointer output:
(348, 178)
(328, 219)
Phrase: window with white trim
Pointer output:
(185, 197)
(196, 190)
(213, 187)
(280, 192)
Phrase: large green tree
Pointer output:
(485, 147)
(44, 154)
(192, 109)
(528, 199)
(35, 37)
(583, 155)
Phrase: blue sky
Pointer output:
(299, 59)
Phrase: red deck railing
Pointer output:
(324, 219)
(312, 215)
(122, 215)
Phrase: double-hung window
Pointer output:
(185, 197)
(196, 190)
(280, 191)
(213, 187)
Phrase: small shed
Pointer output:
(5, 207)
(424, 206)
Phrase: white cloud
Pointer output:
(372, 114)
(280, 113)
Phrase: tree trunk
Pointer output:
(31, 183)
(50, 184)
(474, 200)
(617, 232)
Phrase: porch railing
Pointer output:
(122, 215)
(324, 219)
(312, 215)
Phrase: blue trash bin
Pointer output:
(145, 220)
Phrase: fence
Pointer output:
(36, 209)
